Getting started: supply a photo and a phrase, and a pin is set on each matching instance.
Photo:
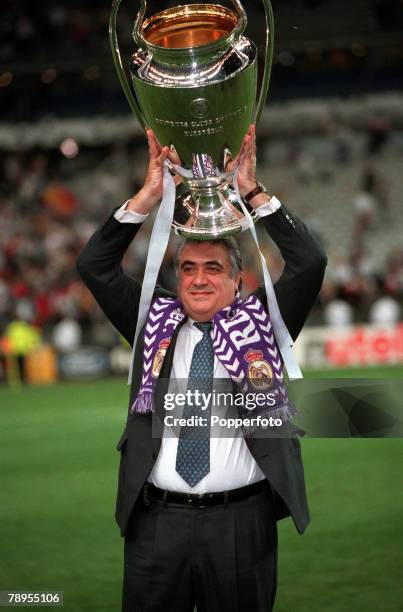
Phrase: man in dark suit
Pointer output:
(210, 541)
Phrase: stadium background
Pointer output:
(331, 147)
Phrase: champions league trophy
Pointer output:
(194, 76)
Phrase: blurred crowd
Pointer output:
(28, 28)
(45, 220)
(59, 53)
(43, 27)
(50, 205)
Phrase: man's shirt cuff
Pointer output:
(128, 216)
(269, 208)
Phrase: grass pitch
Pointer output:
(58, 482)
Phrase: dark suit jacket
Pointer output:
(99, 265)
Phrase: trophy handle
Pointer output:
(269, 58)
(243, 21)
(134, 105)
(137, 24)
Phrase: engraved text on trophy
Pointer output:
(213, 125)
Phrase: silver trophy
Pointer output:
(194, 76)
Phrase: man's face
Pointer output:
(205, 285)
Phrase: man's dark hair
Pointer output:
(228, 242)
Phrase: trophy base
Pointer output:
(208, 210)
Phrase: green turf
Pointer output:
(58, 479)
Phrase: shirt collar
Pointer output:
(190, 324)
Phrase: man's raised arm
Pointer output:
(305, 259)
(305, 264)
(99, 264)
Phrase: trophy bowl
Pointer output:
(194, 77)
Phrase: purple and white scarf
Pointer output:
(243, 341)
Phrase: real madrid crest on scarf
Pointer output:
(159, 357)
(243, 341)
(260, 373)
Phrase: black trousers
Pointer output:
(217, 559)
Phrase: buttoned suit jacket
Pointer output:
(99, 265)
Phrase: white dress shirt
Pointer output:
(231, 463)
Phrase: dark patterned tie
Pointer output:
(193, 454)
